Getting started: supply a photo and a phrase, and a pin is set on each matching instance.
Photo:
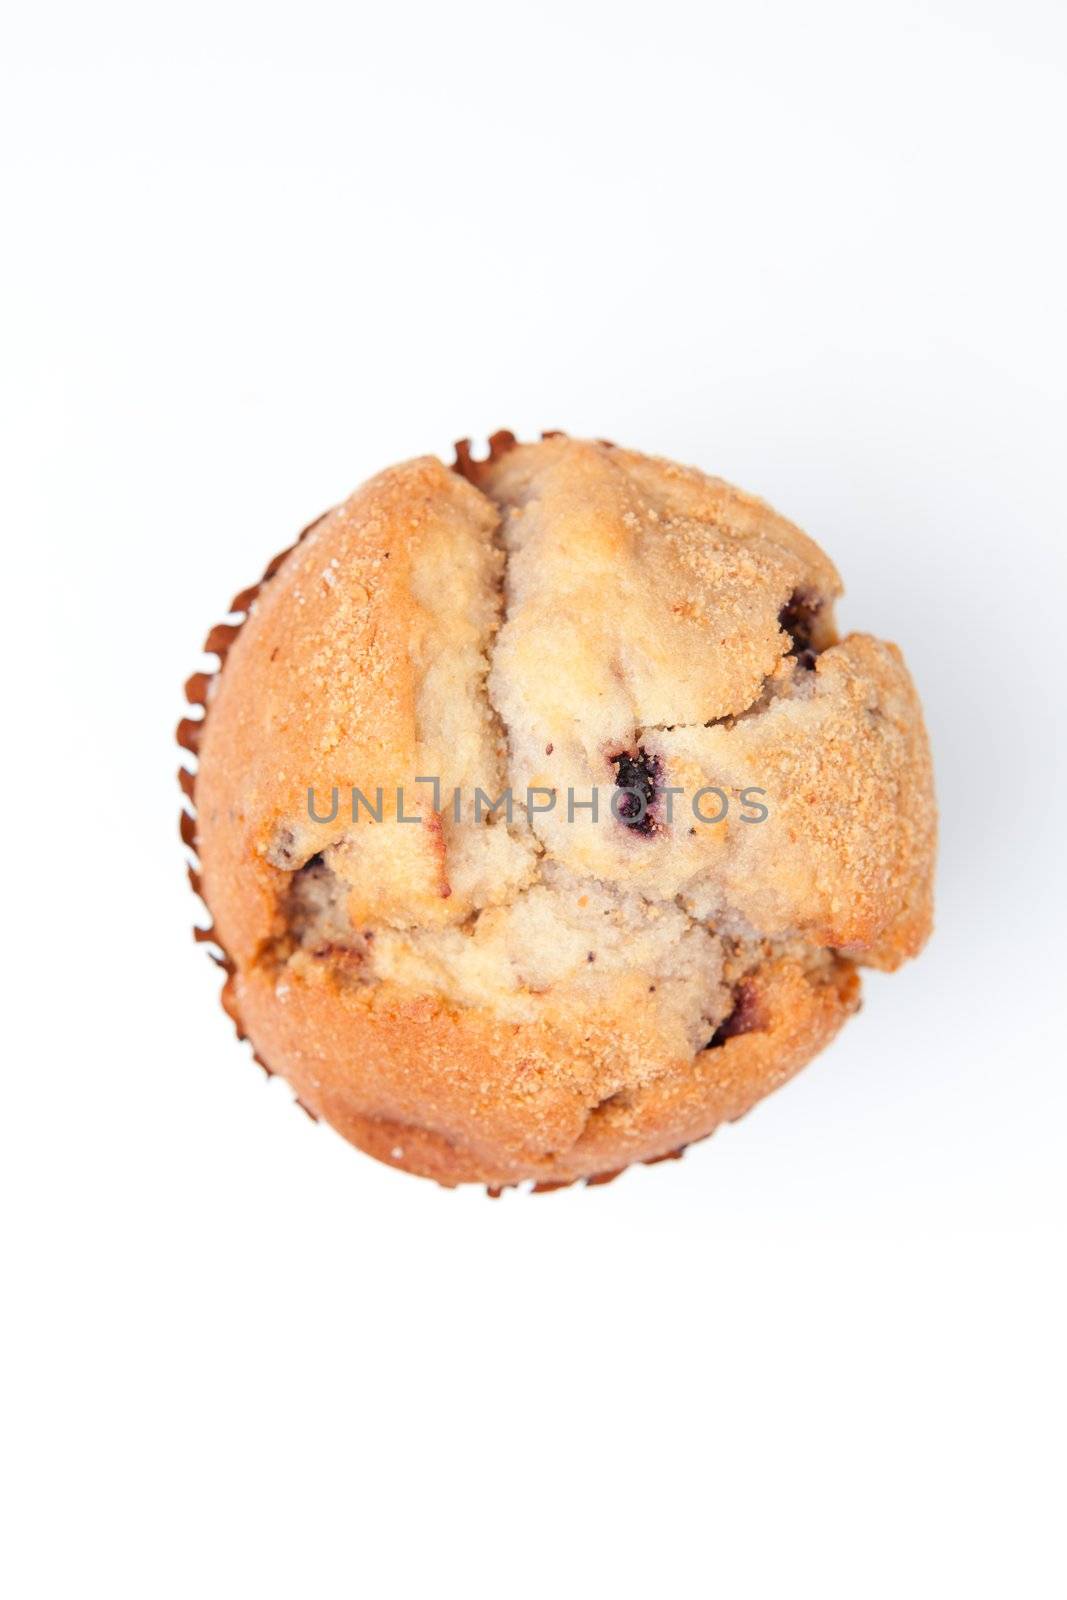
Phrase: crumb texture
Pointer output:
(551, 991)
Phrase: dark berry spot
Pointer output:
(797, 618)
(313, 867)
(637, 775)
(745, 1017)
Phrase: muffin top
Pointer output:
(478, 652)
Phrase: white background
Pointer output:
(253, 254)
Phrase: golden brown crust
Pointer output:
(846, 858)
(460, 1097)
(319, 689)
(420, 1033)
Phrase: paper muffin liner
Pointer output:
(198, 691)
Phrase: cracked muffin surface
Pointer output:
(554, 986)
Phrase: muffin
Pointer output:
(543, 816)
